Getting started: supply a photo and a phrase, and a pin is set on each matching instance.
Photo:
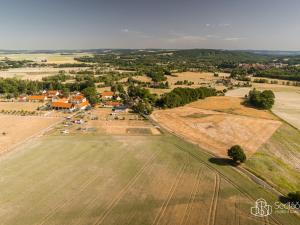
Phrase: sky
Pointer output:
(175, 24)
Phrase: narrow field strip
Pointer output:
(237, 209)
(214, 202)
(119, 196)
(189, 206)
(170, 195)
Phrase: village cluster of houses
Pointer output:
(55, 99)
(109, 100)
(76, 101)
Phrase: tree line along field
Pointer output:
(90, 179)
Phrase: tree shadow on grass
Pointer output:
(222, 161)
(284, 199)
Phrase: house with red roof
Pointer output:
(37, 98)
(107, 95)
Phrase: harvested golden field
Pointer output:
(139, 78)
(108, 180)
(17, 129)
(51, 58)
(287, 103)
(287, 107)
(217, 131)
(26, 106)
(199, 78)
(231, 105)
(35, 73)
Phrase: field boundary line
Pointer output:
(164, 206)
(124, 190)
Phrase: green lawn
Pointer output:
(99, 179)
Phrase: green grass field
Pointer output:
(278, 161)
(99, 179)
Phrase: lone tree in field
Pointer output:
(236, 153)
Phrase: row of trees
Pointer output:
(288, 73)
(181, 96)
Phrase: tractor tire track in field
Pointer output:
(241, 190)
(214, 202)
(91, 202)
(170, 195)
(189, 207)
(62, 204)
(131, 217)
(266, 221)
(237, 210)
(124, 190)
(81, 189)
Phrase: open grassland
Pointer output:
(278, 161)
(217, 127)
(17, 129)
(100, 179)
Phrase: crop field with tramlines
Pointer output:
(103, 179)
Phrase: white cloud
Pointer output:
(233, 39)
(187, 38)
(212, 36)
(125, 30)
(224, 25)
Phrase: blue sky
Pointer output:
(225, 24)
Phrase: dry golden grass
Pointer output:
(51, 58)
(231, 105)
(19, 128)
(217, 124)
(34, 73)
(199, 78)
(18, 106)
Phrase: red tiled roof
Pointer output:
(112, 103)
(52, 92)
(62, 105)
(82, 104)
(78, 97)
(107, 94)
(37, 97)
